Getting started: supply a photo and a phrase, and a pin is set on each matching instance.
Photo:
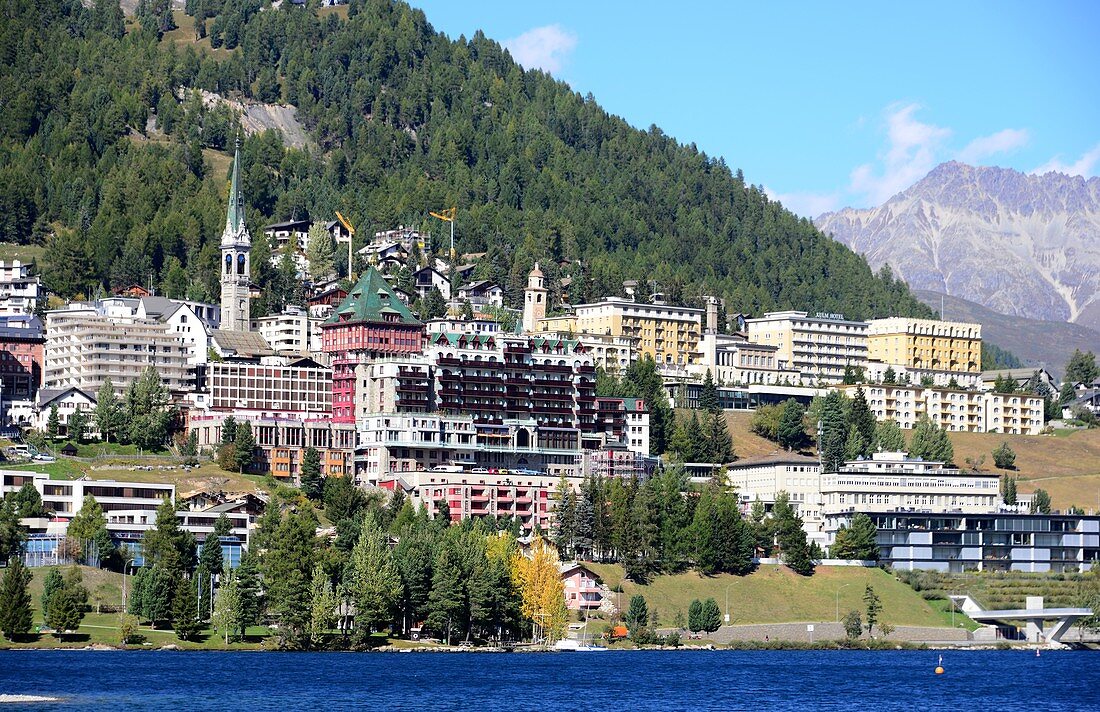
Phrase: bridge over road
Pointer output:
(1034, 615)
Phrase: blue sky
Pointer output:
(826, 105)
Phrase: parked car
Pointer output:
(44, 458)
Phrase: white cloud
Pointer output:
(983, 147)
(810, 205)
(1085, 166)
(545, 48)
(911, 152)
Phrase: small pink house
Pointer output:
(582, 589)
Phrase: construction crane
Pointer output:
(351, 238)
(448, 215)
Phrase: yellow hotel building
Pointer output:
(669, 334)
(925, 344)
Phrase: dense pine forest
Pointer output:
(111, 161)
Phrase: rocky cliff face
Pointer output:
(1019, 244)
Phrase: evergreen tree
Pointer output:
(250, 594)
(320, 251)
(26, 502)
(323, 605)
(874, 608)
(64, 614)
(157, 593)
(210, 556)
(708, 394)
(863, 420)
(287, 568)
(637, 616)
(374, 580)
(890, 376)
(1040, 502)
(1004, 457)
(1009, 490)
(584, 523)
(793, 547)
(244, 445)
(77, 425)
(645, 535)
(50, 586)
(710, 616)
(53, 422)
(229, 430)
(312, 484)
(888, 436)
(854, 446)
(791, 430)
(857, 542)
(834, 432)
(15, 600)
(167, 543)
(695, 616)
(415, 559)
(12, 533)
(1082, 368)
(190, 449)
(564, 518)
(88, 521)
(853, 625)
(148, 410)
(931, 442)
(719, 443)
(446, 600)
(185, 614)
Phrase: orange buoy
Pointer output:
(939, 670)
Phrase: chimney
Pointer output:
(712, 315)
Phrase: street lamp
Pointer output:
(838, 601)
(728, 602)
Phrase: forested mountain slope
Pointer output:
(405, 120)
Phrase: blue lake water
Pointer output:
(620, 680)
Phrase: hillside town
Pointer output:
(483, 412)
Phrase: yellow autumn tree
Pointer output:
(542, 594)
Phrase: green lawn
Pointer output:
(105, 588)
(24, 253)
(774, 594)
(62, 469)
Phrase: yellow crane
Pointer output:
(448, 215)
(351, 238)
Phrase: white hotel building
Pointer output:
(819, 347)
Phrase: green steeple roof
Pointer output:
(234, 216)
(373, 299)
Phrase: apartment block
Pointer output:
(955, 410)
(86, 344)
(477, 493)
(891, 482)
(21, 290)
(668, 334)
(281, 441)
(22, 347)
(294, 332)
(819, 347)
(1013, 413)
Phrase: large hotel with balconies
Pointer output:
(819, 347)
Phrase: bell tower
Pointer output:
(235, 266)
(534, 301)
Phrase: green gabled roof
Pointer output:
(370, 299)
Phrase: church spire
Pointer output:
(234, 216)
